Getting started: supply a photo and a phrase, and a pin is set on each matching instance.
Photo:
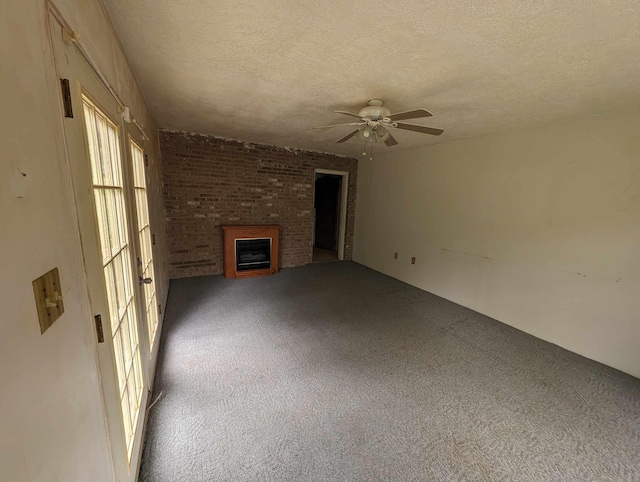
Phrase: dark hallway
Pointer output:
(327, 216)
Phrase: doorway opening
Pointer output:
(330, 199)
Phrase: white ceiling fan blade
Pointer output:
(338, 125)
(412, 127)
(347, 113)
(348, 136)
(410, 114)
(390, 141)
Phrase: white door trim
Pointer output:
(344, 192)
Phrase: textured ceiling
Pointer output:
(264, 71)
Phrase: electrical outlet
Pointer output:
(395, 255)
(413, 260)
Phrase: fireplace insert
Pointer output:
(253, 254)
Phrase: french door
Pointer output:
(103, 142)
(106, 162)
(145, 256)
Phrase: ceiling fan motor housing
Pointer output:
(374, 112)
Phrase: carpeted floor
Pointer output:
(333, 372)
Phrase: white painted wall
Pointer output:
(538, 228)
(51, 417)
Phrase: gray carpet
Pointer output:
(333, 372)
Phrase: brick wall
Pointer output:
(210, 182)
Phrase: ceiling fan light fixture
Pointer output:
(366, 133)
(381, 134)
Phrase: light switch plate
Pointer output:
(48, 294)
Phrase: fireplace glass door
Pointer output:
(253, 254)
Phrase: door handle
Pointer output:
(144, 281)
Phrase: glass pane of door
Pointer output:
(144, 234)
(111, 214)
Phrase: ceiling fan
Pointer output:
(376, 121)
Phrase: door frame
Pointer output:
(344, 193)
